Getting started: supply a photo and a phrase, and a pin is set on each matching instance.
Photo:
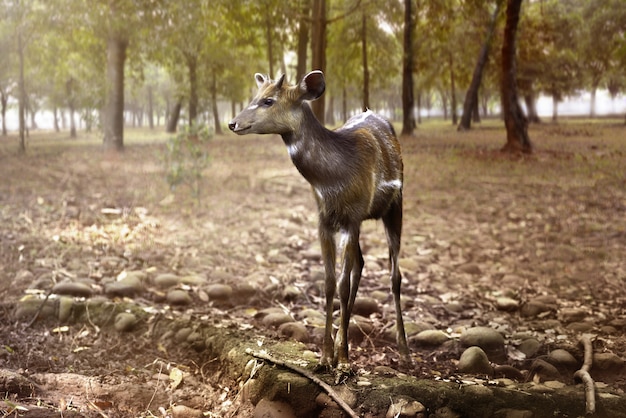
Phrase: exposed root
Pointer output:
(585, 377)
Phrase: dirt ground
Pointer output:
(545, 233)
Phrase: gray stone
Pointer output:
(65, 308)
(430, 337)
(607, 361)
(365, 306)
(219, 292)
(507, 304)
(72, 289)
(474, 360)
(295, 331)
(470, 268)
(273, 409)
(405, 408)
(535, 308)
(276, 319)
(572, 314)
(166, 280)
(127, 287)
(178, 297)
(125, 322)
(484, 337)
(529, 347)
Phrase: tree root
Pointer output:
(585, 377)
(309, 375)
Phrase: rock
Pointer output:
(507, 304)
(182, 411)
(365, 306)
(125, 322)
(295, 331)
(470, 268)
(243, 292)
(529, 347)
(273, 409)
(219, 292)
(291, 293)
(166, 280)
(193, 280)
(513, 413)
(274, 320)
(474, 361)
(405, 408)
(24, 276)
(535, 308)
(127, 287)
(484, 337)
(580, 327)
(430, 337)
(359, 328)
(182, 335)
(72, 289)
(65, 308)
(572, 314)
(313, 317)
(28, 307)
(178, 297)
(607, 361)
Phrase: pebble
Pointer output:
(182, 411)
(474, 360)
(507, 304)
(572, 314)
(72, 289)
(430, 337)
(405, 408)
(580, 327)
(529, 347)
(470, 268)
(295, 331)
(125, 322)
(219, 292)
(535, 308)
(127, 287)
(484, 337)
(365, 306)
(166, 280)
(359, 328)
(65, 308)
(276, 319)
(607, 361)
(178, 297)
(273, 409)
(193, 280)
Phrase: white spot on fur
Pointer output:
(392, 184)
(293, 149)
(358, 119)
(253, 106)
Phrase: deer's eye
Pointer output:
(267, 102)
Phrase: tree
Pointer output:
(408, 118)
(517, 139)
(471, 97)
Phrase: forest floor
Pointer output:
(533, 246)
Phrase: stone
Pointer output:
(507, 304)
(470, 268)
(182, 411)
(405, 408)
(219, 292)
(294, 331)
(125, 322)
(430, 337)
(535, 308)
(274, 320)
(65, 308)
(359, 328)
(193, 280)
(529, 347)
(178, 297)
(365, 306)
(484, 337)
(72, 289)
(607, 361)
(129, 286)
(166, 280)
(572, 314)
(474, 361)
(273, 409)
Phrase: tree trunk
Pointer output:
(470, 105)
(4, 98)
(150, 108)
(22, 94)
(114, 106)
(269, 30)
(592, 105)
(192, 68)
(408, 117)
(318, 47)
(517, 139)
(303, 40)
(172, 122)
(69, 90)
(366, 71)
(216, 116)
(555, 107)
(452, 90)
(531, 107)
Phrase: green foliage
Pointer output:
(185, 158)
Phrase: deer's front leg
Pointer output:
(351, 262)
(329, 253)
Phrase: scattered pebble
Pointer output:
(178, 297)
(125, 322)
(430, 337)
(474, 360)
(77, 289)
(295, 331)
(484, 337)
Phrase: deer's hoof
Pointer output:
(343, 372)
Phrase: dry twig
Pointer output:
(585, 377)
(309, 375)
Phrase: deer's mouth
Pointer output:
(239, 129)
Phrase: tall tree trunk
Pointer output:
(216, 116)
(408, 117)
(114, 106)
(366, 70)
(517, 139)
(4, 99)
(192, 68)
(531, 107)
(22, 93)
(555, 107)
(592, 105)
(303, 40)
(70, 86)
(151, 107)
(318, 47)
(452, 90)
(55, 119)
(172, 122)
(471, 98)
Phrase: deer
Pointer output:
(356, 174)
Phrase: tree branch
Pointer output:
(585, 377)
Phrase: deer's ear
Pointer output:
(281, 80)
(260, 79)
(312, 85)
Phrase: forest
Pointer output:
(155, 264)
(103, 64)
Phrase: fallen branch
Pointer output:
(309, 375)
(585, 377)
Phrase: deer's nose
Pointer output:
(232, 125)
